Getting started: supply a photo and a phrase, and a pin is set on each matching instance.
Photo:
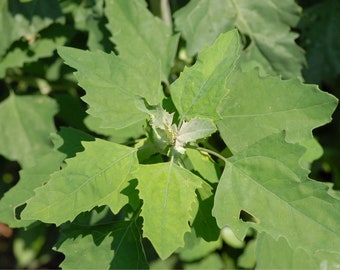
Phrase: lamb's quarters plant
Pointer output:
(262, 178)
(174, 166)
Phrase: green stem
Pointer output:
(211, 153)
(166, 12)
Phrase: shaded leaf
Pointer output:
(264, 25)
(102, 245)
(213, 261)
(168, 193)
(94, 177)
(118, 136)
(248, 257)
(204, 223)
(25, 52)
(67, 143)
(199, 89)
(196, 248)
(322, 50)
(204, 165)
(26, 19)
(26, 123)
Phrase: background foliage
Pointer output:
(40, 96)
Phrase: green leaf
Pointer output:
(204, 223)
(267, 251)
(26, 52)
(201, 22)
(130, 23)
(25, 137)
(256, 107)
(26, 19)
(272, 45)
(196, 248)
(118, 136)
(67, 143)
(265, 188)
(168, 193)
(199, 90)
(112, 97)
(322, 50)
(85, 244)
(212, 261)
(247, 259)
(94, 177)
(264, 25)
(193, 130)
(313, 152)
(102, 245)
(204, 165)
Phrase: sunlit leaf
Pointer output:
(199, 89)
(94, 177)
(168, 193)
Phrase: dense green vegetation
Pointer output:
(169, 134)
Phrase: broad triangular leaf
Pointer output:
(265, 188)
(264, 24)
(94, 177)
(130, 23)
(111, 96)
(199, 89)
(26, 123)
(103, 244)
(256, 107)
(168, 193)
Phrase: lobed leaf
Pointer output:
(111, 96)
(25, 137)
(102, 245)
(256, 107)
(199, 90)
(130, 23)
(168, 194)
(200, 22)
(265, 188)
(66, 144)
(94, 177)
(264, 25)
